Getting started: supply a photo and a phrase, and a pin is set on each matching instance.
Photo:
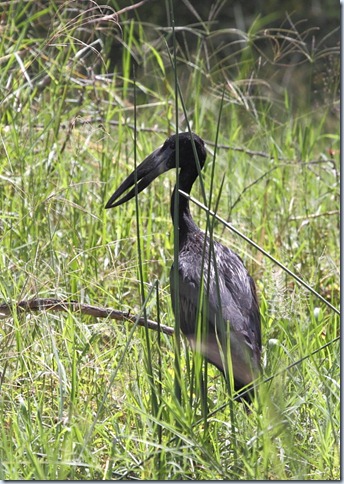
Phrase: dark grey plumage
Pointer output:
(229, 309)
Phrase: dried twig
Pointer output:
(34, 305)
(131, 7)
(315, 215)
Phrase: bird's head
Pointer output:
(160, 161)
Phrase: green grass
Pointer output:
(83, 398)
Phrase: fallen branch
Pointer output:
(34, 305)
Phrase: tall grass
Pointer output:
(89, 399)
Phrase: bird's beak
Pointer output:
(145, 173)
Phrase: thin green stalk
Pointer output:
(159, 383)
(177, 380)
(142, 287)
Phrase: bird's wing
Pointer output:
(232, 311)
(239, 292)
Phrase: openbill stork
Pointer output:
(227, 310)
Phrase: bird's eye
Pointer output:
(169, 144)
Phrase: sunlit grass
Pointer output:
(76, 392)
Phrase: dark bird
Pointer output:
(224, 325)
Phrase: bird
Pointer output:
(217, 299)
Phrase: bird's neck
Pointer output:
(180, 209)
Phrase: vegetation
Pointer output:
(83, 398)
